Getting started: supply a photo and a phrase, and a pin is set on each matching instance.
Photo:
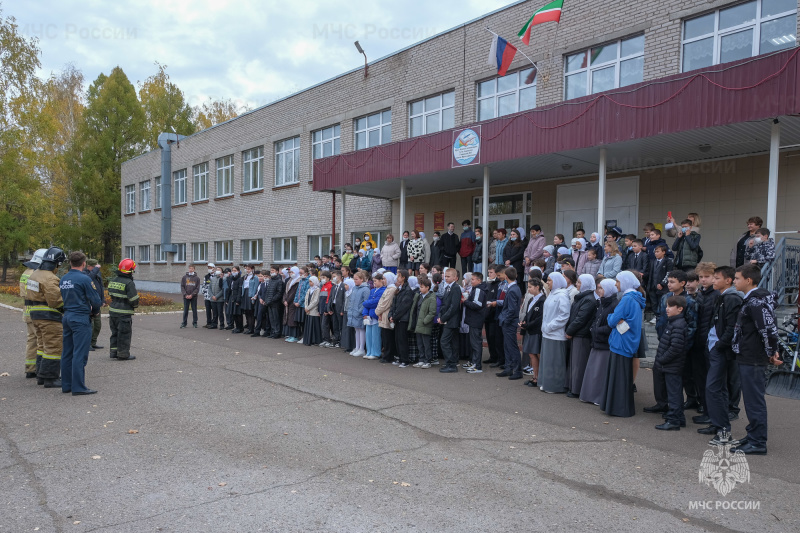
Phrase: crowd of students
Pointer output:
(580, 310)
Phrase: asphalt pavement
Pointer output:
(209, 431)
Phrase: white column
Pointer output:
(402, 209)
(601, 194)
(342, 232)
(772, 188)
(485, 223)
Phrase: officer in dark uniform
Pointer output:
(124, 301)
(81, 304)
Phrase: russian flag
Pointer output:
(501, 54)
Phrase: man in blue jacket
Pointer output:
(509, 319)
(81, 303)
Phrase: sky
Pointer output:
(249, 51)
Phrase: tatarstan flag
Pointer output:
(549, 13)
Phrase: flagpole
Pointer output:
(518, 50)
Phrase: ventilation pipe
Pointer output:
(165, 141)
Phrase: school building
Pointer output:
(634, 110)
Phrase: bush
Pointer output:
(148, 299)
(13, 290)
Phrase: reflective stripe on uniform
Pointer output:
(118, 295)
(113, 310)
(134, 298)
(30, 361)
(42, 308)
(51, 357)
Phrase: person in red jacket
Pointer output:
(466, 247)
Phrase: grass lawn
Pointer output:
(16, 301)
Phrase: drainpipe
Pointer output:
(165, 141)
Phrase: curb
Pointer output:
(11, 307)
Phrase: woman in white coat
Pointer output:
(553, 359)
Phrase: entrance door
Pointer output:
(506, 211)
(573, 220)
(577, 205)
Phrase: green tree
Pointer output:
(165, 107)
(216, 112)
(113, 131)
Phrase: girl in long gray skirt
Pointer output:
(578, 331)
(594, 379)
(553, 359)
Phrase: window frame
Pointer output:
(247, 246)
(424, 114)
(180, 253)
(220, 246)
(367, 129)
(160, 254)
(130, 199)
(496, 95)
(157, 190)
(144, 195)
(717, 34)
(248, 164)
(130, 252)
(196, 258)
(179, 187)
(590, 69)
(144, 257)
(280, 157)
(336, 135)
(200, 182)
(278, 246)
(319, 239)
(224, 172)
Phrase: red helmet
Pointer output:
(126, 266)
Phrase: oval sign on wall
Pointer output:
(466, 147)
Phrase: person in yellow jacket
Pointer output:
(30, 346)
(368, 241)
(46, 311)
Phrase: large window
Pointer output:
(287, 161)
(325, 142)
(253, 163)
(224, 251)
(604, 67)
(738, 32)
(284, 250)
(252, 250)
(144, 194)
(144, 253)
(319, 245)
(158, 192)
(199, 252)
(180, 254)
(180, 186)
(130, 199)
(508, 211)
(200, 173)
(130, 252)
(507, 94)
(432, 114)
(159, 253)
(225, 176)
(374, 130)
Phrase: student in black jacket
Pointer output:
(336, 307)
(450, 319)
(273, 298)
(638, 259)
(400, 314)
(509, 322)
(490, 322)
(755, 341)
(532, 326)
(695, 372)
(513, 255)
(578, 331)
(670, 359)
(474, 317)
(660, 266)
(404, 251)
(451, 244)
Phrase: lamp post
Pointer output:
(361, 51)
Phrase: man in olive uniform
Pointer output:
(93, 271)
(46, 309)
(30, 347)
(124, 301)
(81, 303)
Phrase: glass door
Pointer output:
(507, 211)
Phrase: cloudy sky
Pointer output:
(253, 52)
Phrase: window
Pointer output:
(159, 253)
(224, 250)
(130, 252)
(738, 32)
(253, 162)
(225, 176)
(325, 142)
(130, 199)
(507, 211)
(180, 254)
(252, 250)
(199, 252)
(374, 130)
(158, 192)
(179, 177)
(505, 95)
(284, 250)
(144, 194)
(200, 173)
(287, 161)
(432, 114)
(604, 67)
(144, 253)
(319, 245)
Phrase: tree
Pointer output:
(113, 131)
(165, 107)
(216, 112)
(19, 59)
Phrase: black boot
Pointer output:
(52, 383)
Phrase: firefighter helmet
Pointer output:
(53, 258)
(127, 266)
(36, 260)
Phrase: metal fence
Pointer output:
(782, 276)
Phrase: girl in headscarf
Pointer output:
(249, 289)
(291, 330)
(464, 348)
(413, 348)
(531, 326)
(594, 379)
(596, 243)
(553, 360)
(548, 254)
(347, 342)
(312, 334)
(364, 261)
(388, 347)
(579, 253)
(626, 334)
(355, 310)
(581, 317)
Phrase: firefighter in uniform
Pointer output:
(124, 301)
(81, 303)
(30, 347)
(46, 309)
